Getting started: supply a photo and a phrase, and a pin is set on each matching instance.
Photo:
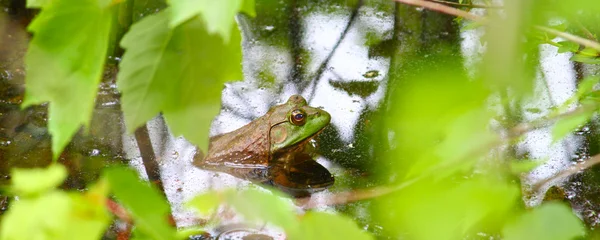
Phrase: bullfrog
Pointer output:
(273, 149)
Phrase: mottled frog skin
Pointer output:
(272, 149)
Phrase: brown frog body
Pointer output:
(272, 149)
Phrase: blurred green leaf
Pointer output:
(550, 221)
(219, 16)
(586, 86)
(45, 217)
(566, 125)
(525, 165)
(149, 209)
(89, 217)
(587, 55)
(64, 63)
(57, 215)
(567, 46)
(327, 226)
(199, 62)
(257, 204)
(36, 3)
(205, 203)
(448, 209)
(37, 180)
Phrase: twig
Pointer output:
(118, 211)
(438, 7)
(568, 172)
(523, 128)
(325, 62)
(460, 13)
(587, 32)
(148, 157)
(466, 5)
(355, 195)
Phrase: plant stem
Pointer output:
(460, 13)
(148, 157)
(467, 5)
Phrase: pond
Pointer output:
(408, 107)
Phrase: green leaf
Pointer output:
(89, 218)
(586, 86)
(219, 16)
(272, 207)
(320, 225)
(64, 63)
(36, 3)
(551, 221)
(455, 207)
(179, 72)
(525, 165)
(566, 125)
(248, 7)
(46, 217)
(37, 180)
(205, 203)
(587, 55)
(146, 205)
(567, 46)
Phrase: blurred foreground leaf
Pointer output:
(446, 209)
(56, 214)
(179, 72)
(272, 207)
(205, 203)
(525, 165)
(219, 16)
(320, 225)
(36, 3)
(550, 221)
(37, 180)
(149, 209)
(45, 217)
(64, 63)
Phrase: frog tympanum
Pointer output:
(272, 149)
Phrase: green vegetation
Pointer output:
(441, 152)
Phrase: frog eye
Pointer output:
(298, 117)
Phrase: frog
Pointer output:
(274, 149)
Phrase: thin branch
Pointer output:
(590, 162)
(460, 13)
(144, 143)
(438, 7)
(325, 62)
(118, 211)
(587, 32)
(523, 128)
(467, 5)
(576, 39)
(355, 195)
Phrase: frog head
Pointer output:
(294, 123)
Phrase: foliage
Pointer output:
(151, 214)
(444, 156)
(65, 61)
(42, 212)
(552, 221)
